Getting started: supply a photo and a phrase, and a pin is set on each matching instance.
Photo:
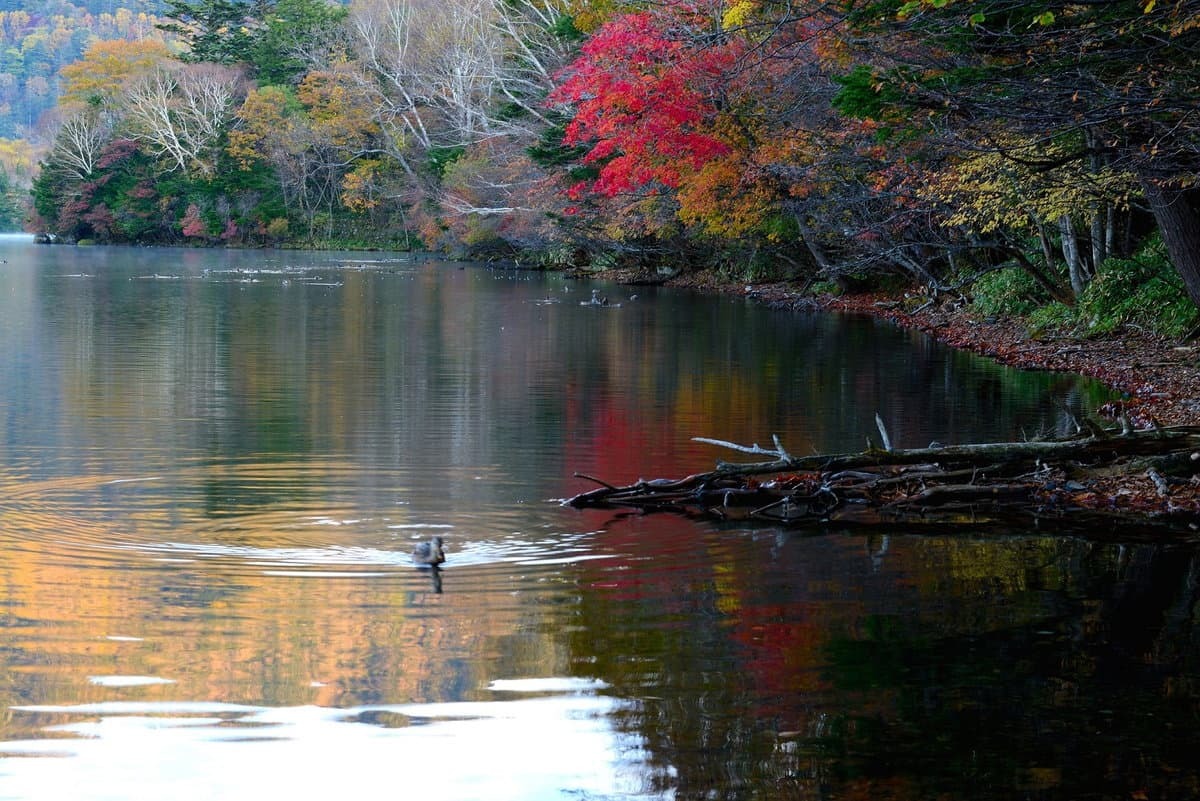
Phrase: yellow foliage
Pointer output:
(33, 41)
(359, 186)
(722, 201)
(262, 118)
(1010, 186)
(589, 15)
(341, 112)
(18, 159)
(107, 68)
(738, 14)
(278, 227)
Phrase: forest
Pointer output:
(1046, 153)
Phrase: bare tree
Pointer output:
(80, 140)
(453, 74)
(388, 45)
(534, 51)
(179, 114)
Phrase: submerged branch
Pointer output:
(979, 482)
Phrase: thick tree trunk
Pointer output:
(1179, 223)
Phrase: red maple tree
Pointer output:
(646, 91)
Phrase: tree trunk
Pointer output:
(1099, 238)
(1046, 282)
(984, 482)
(1110, 231)
(814, 246)
(1101, 216)
(1179, 223)
(1070, 249)
(1047, 247)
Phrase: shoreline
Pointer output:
(1158, 378)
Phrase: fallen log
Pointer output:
(1001, 481)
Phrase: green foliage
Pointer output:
(781, 227)
(510, 111)
(559, 256)
(549, 150)
(866, 95)
(604, 260)
(1144, 291)
(292, 27)
(1008, 292)
(1054, 316)
(47, 191)
(218, 31)
(441, 158)
(758, 266)
(564, 28)
(583, 172)
(266, 35)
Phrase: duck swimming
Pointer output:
(429, 554)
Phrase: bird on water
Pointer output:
(429, 554)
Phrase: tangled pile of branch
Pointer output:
(1148, 475)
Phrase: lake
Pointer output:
(214, 466)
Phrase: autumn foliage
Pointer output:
(645, 103)
(934, 140)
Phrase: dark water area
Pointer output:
(214, 466)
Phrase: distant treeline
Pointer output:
(936, 140)
(39, 37)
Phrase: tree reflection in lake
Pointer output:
(848, 665)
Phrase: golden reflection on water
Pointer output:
(295, 603)
(276, 639)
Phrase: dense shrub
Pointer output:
(1053, 316)
(1008, 292)
(1144, 291)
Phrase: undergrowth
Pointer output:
(1144, 291)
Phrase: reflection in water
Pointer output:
(957, 667)
(522, 748)
(214, 467)
(435, 578)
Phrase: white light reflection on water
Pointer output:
(557, 744)
(128, 681)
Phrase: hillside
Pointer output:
(39, 37)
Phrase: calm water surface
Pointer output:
(214, 465)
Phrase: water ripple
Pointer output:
(310, 518)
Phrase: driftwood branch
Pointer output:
(989, 481)
(883, 433)
(779, 452)
(596, 481)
